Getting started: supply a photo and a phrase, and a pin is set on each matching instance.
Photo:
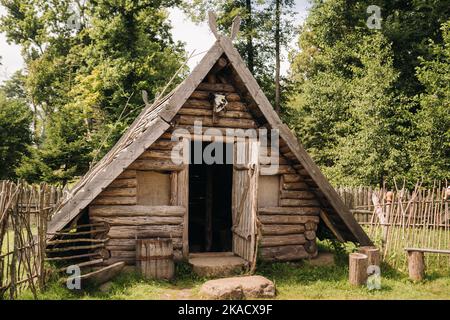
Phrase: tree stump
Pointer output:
(416, 265)
(372, 253)
(154, 258)
(358, 264)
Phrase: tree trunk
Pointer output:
(416, 265)
(277, 54)
(250, 48)
(373, 255)
(357, 269)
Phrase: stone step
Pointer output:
(216, 265)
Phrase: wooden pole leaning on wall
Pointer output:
(372, 253)
(416, 265)
(358, 264)
(154, 258)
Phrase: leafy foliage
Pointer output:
(356, 105)
(430, 152)
(87, 62)
(15, 133)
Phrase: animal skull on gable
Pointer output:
(220, 102)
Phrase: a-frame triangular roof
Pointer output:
(155, 119)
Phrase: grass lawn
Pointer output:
(293, 281)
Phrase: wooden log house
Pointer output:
(138, 192)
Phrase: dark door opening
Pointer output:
(210, 217)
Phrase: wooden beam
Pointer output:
(138, 220)
(287, 219)
(124, 211)
(156, 165)
(310, 211)
(330, 226)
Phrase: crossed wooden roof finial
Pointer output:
(212, 17)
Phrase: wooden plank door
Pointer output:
(244, 198)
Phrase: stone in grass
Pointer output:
(238, 288)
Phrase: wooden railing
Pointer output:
(24, 213)
(400, 218)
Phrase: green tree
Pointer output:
(354, 97)
(430, 152)
(15, 133)
(85, 72)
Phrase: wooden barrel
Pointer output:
(154, 258)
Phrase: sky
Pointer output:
(196, 37)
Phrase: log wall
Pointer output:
(288, 230)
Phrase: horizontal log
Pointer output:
(209, 113)
(216, 87)
(131, 261)
(233, 97)
(202, 95)
(105, 200)
(281, 229)
(141, 232)
(290, 156)
(289, 178)
(298, 203)
(83, 264)
(287, 219)
(238, 132)
(302, 171)
(237, 106)
(124, 211)
(282, 169)
(200, 103)
(295, 186)
(156, 165)
(79, 233)
(73, 248)
(289, 211)
(138, 220)
(73, 257)
(285, 149)
(76, 240)
(123, 254)
(124, 183)
(304, 195)
(127, 174)
(119, 192)
(285, 240)
(130, 244)
(221, 122)
(284, 253)
(156, 154)
(267, 160)
(268, 151)
(206, 105)
(163, 144)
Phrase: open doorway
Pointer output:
(210, 189)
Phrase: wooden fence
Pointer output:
(401, 218)
(24, 213)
